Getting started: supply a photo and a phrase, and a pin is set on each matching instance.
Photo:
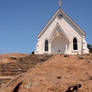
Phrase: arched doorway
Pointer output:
(59, 42)
(59, 45)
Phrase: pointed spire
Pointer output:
(60, 3)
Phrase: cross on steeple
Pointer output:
(60, 3)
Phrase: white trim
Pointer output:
(60, 11)
(57, 25)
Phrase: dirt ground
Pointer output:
(55, 75)
(7, 58)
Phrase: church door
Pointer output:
(59, 45)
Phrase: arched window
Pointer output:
(75, 44)
(46, 45)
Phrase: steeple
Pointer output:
(60, 3)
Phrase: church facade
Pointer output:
(61, 36)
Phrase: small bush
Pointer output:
(90, 47)
(33, 52)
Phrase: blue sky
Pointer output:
(22, 20)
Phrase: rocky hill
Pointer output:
(12, 57)
(55, 75)
(19, 65)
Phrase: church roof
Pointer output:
(60, 11)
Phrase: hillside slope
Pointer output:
(55, 75)
(19, 66)
(12, 57)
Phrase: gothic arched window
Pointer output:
(75, 44)
(46, 45)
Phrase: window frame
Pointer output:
(75, 44)
(46, 46)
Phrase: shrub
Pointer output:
(90, 47)
(33, 52)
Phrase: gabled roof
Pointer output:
(60, 11)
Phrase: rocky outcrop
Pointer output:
(57, 74)
(21, 65)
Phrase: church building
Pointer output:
(61, 36)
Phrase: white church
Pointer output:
(61, 36)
